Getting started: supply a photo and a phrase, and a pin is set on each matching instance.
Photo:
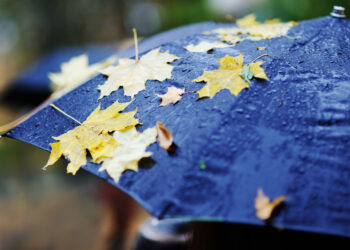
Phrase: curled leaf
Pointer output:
(165, 138)
(264, 208)
(246, 74)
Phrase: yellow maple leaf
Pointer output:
(205, 46)
(264, 208)
(75, 72)
(228, 76)
(131, 150)
(133, 74)
(172, 96)
(258, 32)
(268, 31)
(250, 20)
(254, 30)
(92, 135)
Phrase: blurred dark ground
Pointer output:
(53, 210)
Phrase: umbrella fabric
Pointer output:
(289, 135)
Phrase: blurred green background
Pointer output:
(52, 210)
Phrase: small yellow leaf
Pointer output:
(249, 20)
(227, 76)
(206, 46)
(258, 71)
(172, 96)
(133, 74)
(75, 72)
(273, 21)
(268, 31)
(234, 39)
(165, 138)
(264, 208)
(131, 150)
(92, 135)
(260, 48)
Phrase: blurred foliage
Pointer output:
(45, 24)
(180, 12)
(297, 10)
(42, 24)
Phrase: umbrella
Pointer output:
(288, 135)
(33, 85)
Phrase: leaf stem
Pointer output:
(189, 92)
(259, 57)
(64, 113)
(136, 44)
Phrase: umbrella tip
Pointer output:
(338, 11)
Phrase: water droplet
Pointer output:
(251, 107)
(239, 110)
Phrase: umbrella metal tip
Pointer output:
(338, 11)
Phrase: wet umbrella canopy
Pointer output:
(289, 135)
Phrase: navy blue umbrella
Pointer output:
(33, 85)
(289, 135)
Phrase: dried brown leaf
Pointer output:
(165, 138)
(172, 96)
(264, 208)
